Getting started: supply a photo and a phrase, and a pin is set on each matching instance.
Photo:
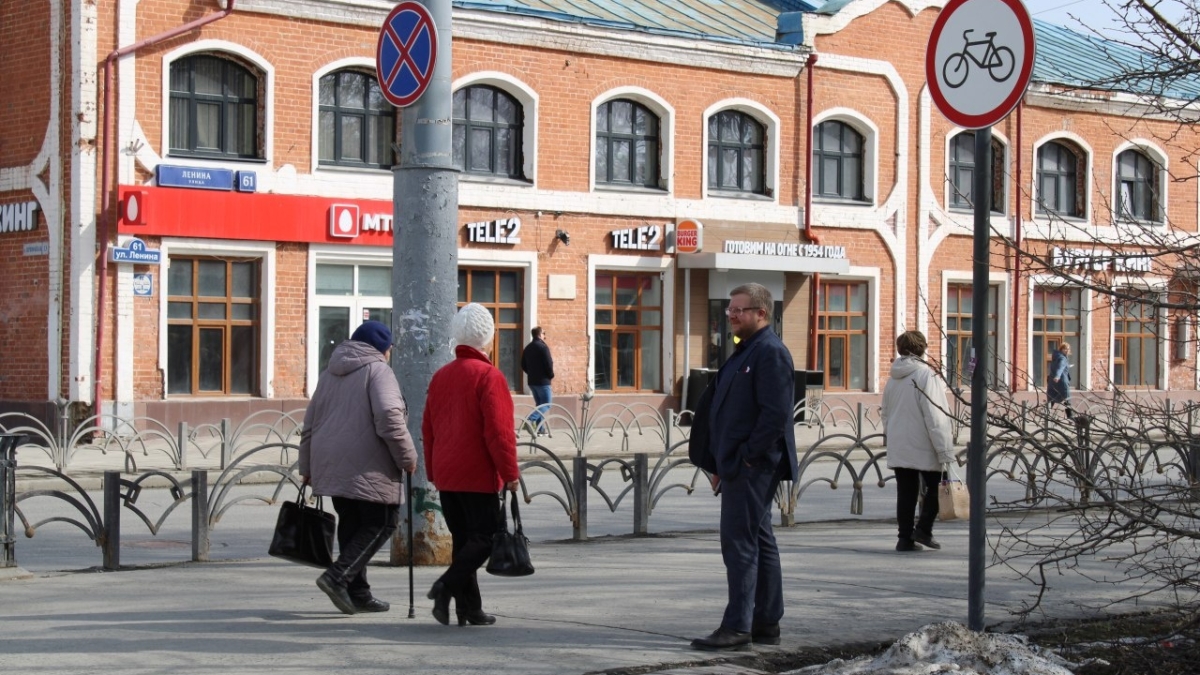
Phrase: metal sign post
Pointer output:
(978, 66)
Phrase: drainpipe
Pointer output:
(808, 231)
(105, 173)
(1016, 331)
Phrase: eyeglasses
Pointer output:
(737, 311)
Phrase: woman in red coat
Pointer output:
(470, 456)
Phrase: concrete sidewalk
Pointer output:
(611, 603)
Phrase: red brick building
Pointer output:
(248, 219)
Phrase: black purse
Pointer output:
(304, 534)
(510, 550)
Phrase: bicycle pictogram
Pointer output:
(998, 61)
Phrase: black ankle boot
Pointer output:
(475, 617)
(441, 603)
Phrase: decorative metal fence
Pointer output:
(611, 456)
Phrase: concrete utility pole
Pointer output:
(425, 273)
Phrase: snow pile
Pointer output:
(951, 648)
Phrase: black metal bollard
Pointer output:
(579, 483)
(8, 497)
(200, 539)
(110, 534)
(641, 493)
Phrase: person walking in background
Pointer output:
(539, 369)
(470, 456)
(743, 435)
(1058, 379)
(354, 447)
(917, 427)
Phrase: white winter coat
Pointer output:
(915, 417)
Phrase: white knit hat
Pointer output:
(473, 326)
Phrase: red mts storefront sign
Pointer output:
(208, 214)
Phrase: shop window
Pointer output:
(1137, 188)
(1136, 348)
(842, 332)
(1060, 177)
(627, 144)
(1057, 318)
(487, 132)
(214, 109)
(357, 124)
(502, 292)
(213, 326)
(962, 172)
(736, 153)
(628, 342)
(960, 326)
(345, 296)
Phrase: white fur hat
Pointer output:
(473, 326)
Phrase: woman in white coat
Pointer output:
(917, 423)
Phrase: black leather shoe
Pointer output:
(723, 639)
(907, 545)
(476, 618)
(441, 603)
(765, 634)
(371, 605)
(925, 539)
(337, 593)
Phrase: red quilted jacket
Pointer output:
(470, 440)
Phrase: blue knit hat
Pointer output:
(374, 333)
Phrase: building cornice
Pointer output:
(486, 26)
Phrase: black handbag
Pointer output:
(304, 534)
(510, 550)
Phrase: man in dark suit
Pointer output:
(743, 434)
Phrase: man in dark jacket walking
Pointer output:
(539, 369)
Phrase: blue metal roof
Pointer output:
(752, 22)
(1076, 60)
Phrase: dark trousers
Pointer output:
(749, 550)
(908, 489)
(362, 529)
(471, 518)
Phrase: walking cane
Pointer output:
(408, 498)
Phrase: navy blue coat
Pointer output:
(746, 415)
(1060, 391)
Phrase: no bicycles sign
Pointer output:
(979, 60)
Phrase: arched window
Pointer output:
(1137, 187)
(487, 132)
(214, 108)
(1058, 181)
(357, 124)
(962, 172)
(736, 158)
(627, 144)
(838, 162)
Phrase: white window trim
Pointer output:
(872, 276)
(666, 131)
(999, 219)
(1041, 217)
(1085, 328)
(381, 176)
(772, 127)
(1003, 316)
(528, 98)
(264, 251)
(268, 106)
(870, 133)
(629, 263)
(1156, 155)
